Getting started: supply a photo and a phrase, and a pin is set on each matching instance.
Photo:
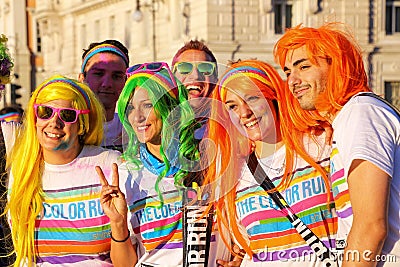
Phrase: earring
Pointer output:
(81, 138)
(252, 146)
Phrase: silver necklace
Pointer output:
(276, 170)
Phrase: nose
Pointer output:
(106, 82)
(293, 79)
(245, 111)
(138, 115)
(195, 75)
(55, 120)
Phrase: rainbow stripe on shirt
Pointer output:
(159, 224)
(341, 197)
(272, 236)
(339, 186)
(72, 223)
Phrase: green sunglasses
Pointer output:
(206, 68)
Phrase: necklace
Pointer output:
(276, 170)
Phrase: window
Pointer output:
(128, 25)
(38, 39)
(97, 30)
(83, 35)
(283, 15)
(112, 26)
(392, 17)
(392, 92)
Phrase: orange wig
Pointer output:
(338, 46)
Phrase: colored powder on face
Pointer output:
(63, 146)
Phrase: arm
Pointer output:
(115, 207)
(369, 189)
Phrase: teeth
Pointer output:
(193, 87)
(141, 128)
(298, 90)
(251, 123)
(53, 135)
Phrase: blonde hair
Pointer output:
(26, 158)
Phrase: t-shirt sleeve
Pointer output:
(9, 133)
(367, 130)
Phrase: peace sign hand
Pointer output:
(112, 200)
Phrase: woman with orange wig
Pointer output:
(250, 113)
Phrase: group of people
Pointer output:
(297, 172)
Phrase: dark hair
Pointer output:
(111, 42)
(194, 45)
(10, 109)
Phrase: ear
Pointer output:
(214, 78)
(81, 77)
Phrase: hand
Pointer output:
(236, 261)
(112, 200)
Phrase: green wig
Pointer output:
(169, 99)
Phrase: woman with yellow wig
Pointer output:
(250, 115)
(55, 214)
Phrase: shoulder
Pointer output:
(114, 123)
(101, 153)
(368, 102)
(366, 111)
(369, 129)
(10, 130)
(95, 150)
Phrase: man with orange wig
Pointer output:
(325, 72)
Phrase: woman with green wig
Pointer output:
(53, 196)
(161, 160)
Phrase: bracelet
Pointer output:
(120, 241)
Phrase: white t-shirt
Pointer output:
(114, 134)
(366, 128)
(273, 239)
(72, 229)
(157, 229)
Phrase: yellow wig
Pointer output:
(26, 158)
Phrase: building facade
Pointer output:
(50, 35)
